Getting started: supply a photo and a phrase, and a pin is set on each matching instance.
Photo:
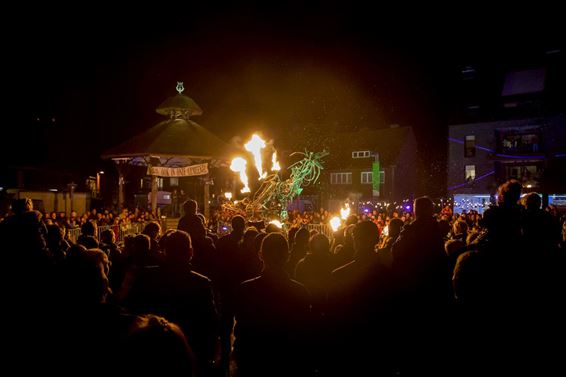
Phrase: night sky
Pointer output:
(78, 83)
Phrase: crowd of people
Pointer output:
(389, 294)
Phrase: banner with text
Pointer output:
(187, 171)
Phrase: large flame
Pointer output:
(335, 223)
(274, 163)
(345, 212)
(255, 145)
(239, 165)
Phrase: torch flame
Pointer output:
(277, 223)
(239, 165)
(345, 212)
(274, 163)
(255, 145)
(335, 223)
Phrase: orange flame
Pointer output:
(255, 145)
(239, 165)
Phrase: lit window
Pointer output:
(174, 181)
(470, 172)
(382, 176)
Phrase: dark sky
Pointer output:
(100, 73)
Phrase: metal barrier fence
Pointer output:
(321, 228)
(120, 231)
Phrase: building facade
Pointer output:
(371, 165)
(483, 155)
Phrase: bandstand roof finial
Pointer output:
(180, 87)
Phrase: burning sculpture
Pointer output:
(274, 194)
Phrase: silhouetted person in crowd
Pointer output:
(423, 279)
(156, 346)
(251, 263)
(299, 250)
(541, 230)
(190, 219)
(116, 257)
(86, 324)
(344, 252)
(204, 252)
(314, 271)
(230, 273)
(89, 235)
(387, 241)
(360, 305)
(271, 318)
(181, 295)
(506, 295)
(56, 242)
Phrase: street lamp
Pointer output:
(228, 195)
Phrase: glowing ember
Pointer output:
(335, 223)
(255, 145)
(345, 212)
(277, 223)
(239, 165)
(274, 163)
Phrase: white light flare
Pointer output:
(274, 163)
(345, 212)
(335, 223)
(255, 145)
(277, 223)
(239, 166)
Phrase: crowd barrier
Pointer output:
(120, 231)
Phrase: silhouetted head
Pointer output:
(509, 193)
(152, 229)
(423, 207)
(352, 220)
(86, 275)
(274, 251)
(366, 236)
(395, 226)
(302, 237)
(89, 229)
(533, 201)
(107, 236)
(20, 206)
(178, 247)
(460, 227)
(154, 344)
(319, 244)
(238, 224)
(190, 207)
